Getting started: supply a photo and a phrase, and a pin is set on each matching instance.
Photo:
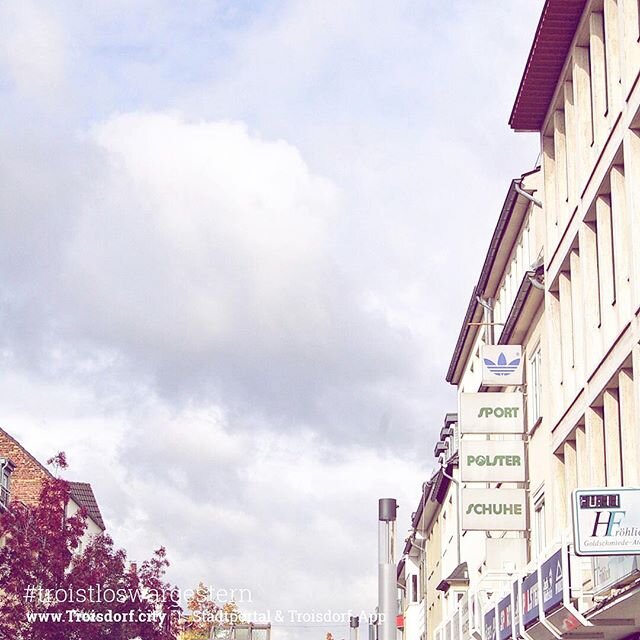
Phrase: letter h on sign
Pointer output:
(614, 518)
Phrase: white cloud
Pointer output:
(236, 315)
(264, 512)
(198, 259)
(33, 47)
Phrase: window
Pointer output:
(539, 522)
(6, 467)
(535, 386)
(414, 588)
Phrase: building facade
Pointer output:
(560, 281)
(23, 477)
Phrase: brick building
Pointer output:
(22, 479)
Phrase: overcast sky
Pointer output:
(237, 240)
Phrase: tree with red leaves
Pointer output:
(49, 590)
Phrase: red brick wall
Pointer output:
(28, 476)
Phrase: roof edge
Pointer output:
(485, 272)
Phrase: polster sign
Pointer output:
(491, 413)
(492, 461)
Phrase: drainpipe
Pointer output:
(535, 283)
(459, 505)
(487, 305)
(526, 195)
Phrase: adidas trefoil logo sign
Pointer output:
(502, 365)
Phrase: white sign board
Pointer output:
(606, 521)
(494, 509)
(492, 461)
(502, 365)
(608, 571)
(491, 413)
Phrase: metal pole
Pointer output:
(387, 579)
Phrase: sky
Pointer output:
(237, 241)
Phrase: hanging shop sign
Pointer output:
(530, 599)
(606, 521)
(494, 509)
(612, 571)
(464, 617)
(491, 413)
(448, 630)
(505, 618)
(543, 590)
(456, 626)
(490, 624)
(502, 365)
(492, 461)
(552, 576)
(559, 612)
(515, 611)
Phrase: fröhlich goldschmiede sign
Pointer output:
(606, 521)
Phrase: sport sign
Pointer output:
(492, 461)
(606, 521)
(494, 509)
(491, 413)
(502, 365)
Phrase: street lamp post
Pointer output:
(387, 579)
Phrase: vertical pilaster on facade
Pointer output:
(612, 438)
(599, 88)
(635, 380)
(570, 472)
(590, 292)
(594, 427)
(560, 147)
(631, 43)
(606, 266)
(628, 429)
(566, 333)
(582, 470)
(551, 205)
(555, 369)
(577, 307)
(560, 497)
(570, 136)
(622, 248)
(632, 177)
(612, 52)
(584, 115)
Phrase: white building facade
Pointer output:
(561, 281)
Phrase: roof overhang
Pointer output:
(526, 304)
(512, 215)
(551, 44)
(459, 577)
